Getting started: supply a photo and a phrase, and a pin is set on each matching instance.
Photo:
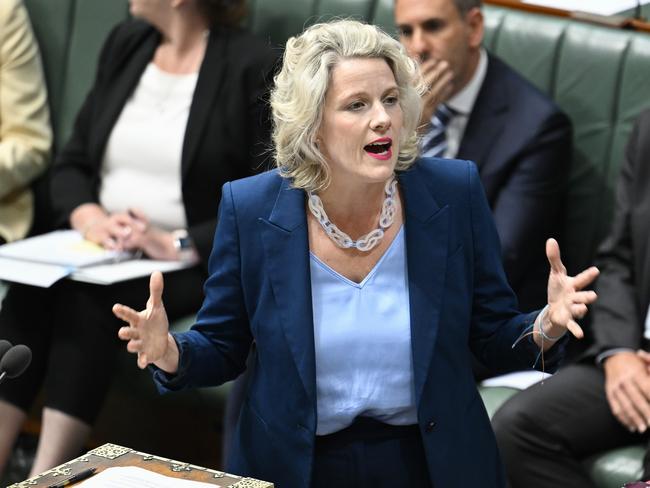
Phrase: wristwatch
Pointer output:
(184, 245)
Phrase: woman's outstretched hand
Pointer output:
(567, 300)
(148, 331)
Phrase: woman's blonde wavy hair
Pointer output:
(301, 86)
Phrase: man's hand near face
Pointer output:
(438, 77)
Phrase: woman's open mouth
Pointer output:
(380, 149)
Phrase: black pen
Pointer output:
(81, 475)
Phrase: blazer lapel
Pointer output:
(208, 84)
(426, 249)
(286, 246)
(486, 119)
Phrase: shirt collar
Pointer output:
(464, 100)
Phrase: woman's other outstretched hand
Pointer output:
(148, 331)
(567, 299)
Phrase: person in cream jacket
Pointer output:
(25, 133)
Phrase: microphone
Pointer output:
(4, 347)
(15, 361)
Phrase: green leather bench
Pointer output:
(610, 469)
(598, 75)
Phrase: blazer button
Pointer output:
(430, 425)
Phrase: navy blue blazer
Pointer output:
(521, 143)
(259, 289)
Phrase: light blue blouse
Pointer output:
(362, 338)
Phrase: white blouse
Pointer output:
(142, 162)
(362, 338)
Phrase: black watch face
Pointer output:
(184, 243)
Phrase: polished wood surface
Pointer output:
(639, 25)
(111, 455)
(615, 21)
(527, 7)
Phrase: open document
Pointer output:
(43, 260)
(133, 477)
(519, 379)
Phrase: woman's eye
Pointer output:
(392, 100)
(355, 106)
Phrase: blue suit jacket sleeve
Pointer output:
(215, 349)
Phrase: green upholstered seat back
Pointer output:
(70, 34)
(599, 76)
(609, 469)
(279, 20)
(52, 22)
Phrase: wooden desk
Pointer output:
(616, 21)
(530, 7)
(111, 455)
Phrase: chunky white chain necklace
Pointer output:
(371, 239)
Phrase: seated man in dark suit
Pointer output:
(602, 402)
(478, 108)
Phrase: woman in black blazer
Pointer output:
(69, 327)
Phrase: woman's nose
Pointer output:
(381, 118)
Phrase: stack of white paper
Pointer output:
(106, 274)
(63, 248)
(134, 477)
(43, 260)
(519, 379)
(35, 274)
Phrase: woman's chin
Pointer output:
(381, 176)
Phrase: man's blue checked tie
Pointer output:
(434, 144)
